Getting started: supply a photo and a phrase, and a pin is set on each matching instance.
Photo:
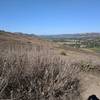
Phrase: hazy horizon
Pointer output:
(48, 17)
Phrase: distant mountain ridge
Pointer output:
(78, 35)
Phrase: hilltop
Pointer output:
(22, 38)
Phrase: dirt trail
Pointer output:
(90, 84)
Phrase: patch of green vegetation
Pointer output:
(96, 49)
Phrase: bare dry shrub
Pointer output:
(89, 66)
(36, 74)
(63, 53)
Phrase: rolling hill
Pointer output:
(77, 35)
(32, 68)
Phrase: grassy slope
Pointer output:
(34, 73)
(7, 38)
(72, 55)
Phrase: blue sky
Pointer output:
(50, 16)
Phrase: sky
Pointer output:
(44, 17)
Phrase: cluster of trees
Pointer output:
(81, 43)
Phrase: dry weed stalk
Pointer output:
(36, 73)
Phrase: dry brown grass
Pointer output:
(36, 73)
(32, 69)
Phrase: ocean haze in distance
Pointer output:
(50, 17)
